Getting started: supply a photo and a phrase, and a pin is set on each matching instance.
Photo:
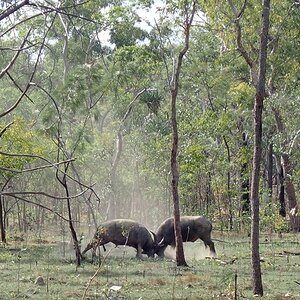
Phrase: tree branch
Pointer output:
(5, 128)
(13, 9)
(53, 164)
(12, 194)
(15, 56)
(17, 85)
(40, 205)
(32, 74)
(36, 168)
(188, 24)
(239, 43)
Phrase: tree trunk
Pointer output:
(73, 232)
(245, 182)
(270, 170)
(258, 107)
(174, 87)
(180, 259)
(24, 218)
(228, 185)
(208, 193)
(291, 193)
(63, 182)
(2, 223)
(282, 210)
(288, 172)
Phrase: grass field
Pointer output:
(122, 276)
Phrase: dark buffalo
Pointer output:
(192, 229)
(124, 232)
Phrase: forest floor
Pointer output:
(122, 276)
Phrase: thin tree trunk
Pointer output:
(228, 185)
(71, 226)
(288, 171)
(282, 209)
(245, 182)
(174, 87)
(65, 48)
(270, 170)
(180, 259)
(2, 223)
(290, 191)
(258, 107)
(24, 218)
(208, 194)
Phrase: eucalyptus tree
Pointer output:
(257, 122)
(183, 14)
(282, 63)
(240, 15)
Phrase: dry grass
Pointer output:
(22, 261)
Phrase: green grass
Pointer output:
(21, 263)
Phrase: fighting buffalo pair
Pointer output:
(131, 233)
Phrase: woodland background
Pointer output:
(85, 114)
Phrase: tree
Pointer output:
(257, 123)
(174, 88)
(283, 63)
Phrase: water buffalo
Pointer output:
(124, 232)
(192, 228)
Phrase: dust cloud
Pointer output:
(192, 251)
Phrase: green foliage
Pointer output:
(271, 220)
(123, 30)
(152, 99)
(86, 93)
(20, 138)
(136, 62)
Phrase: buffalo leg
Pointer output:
(211, 245)
(212, 249)
(139, 252)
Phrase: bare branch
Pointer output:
(51, 97)
(5, 128)
(47, 10)
(53, 165)
(15, 56)
(21, 22)
(187, 27)
(13, 9)
(17, 85)
(239, 43)
(242, 9)
(61, 10)
(12, 194)
(119, 134)
(16, 103)
(18, 49)
(32, 74)
(40, 205)
(36, 168)
(293, 142)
